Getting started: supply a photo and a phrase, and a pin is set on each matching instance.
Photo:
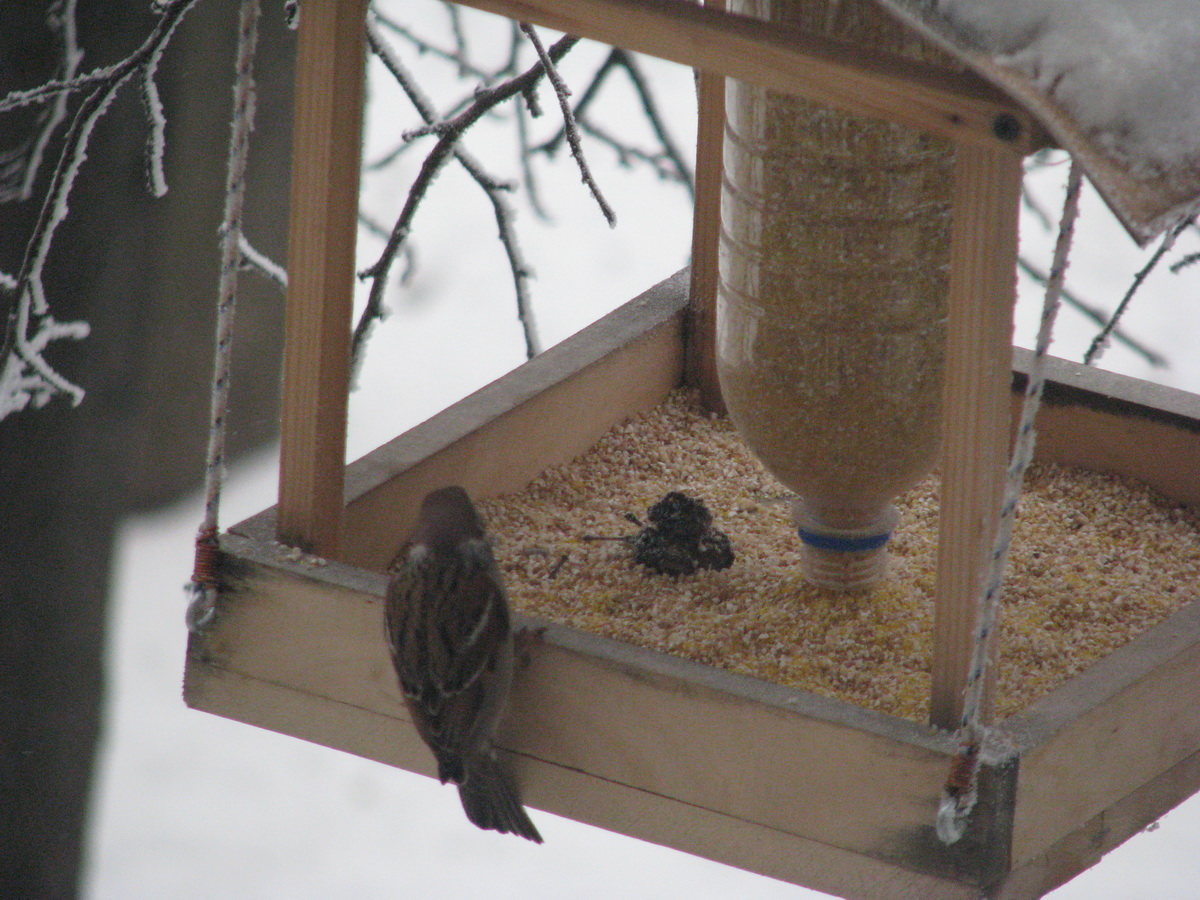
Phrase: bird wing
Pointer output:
(404, 622)
(447, 623)
(472, 627)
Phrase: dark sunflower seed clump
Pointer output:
(681, 538)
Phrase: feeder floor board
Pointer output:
(764, 776)
(1096, 560)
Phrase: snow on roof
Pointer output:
(1116, 82)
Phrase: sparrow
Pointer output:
(448, 629)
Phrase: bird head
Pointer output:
(447, 520)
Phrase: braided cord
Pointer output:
(203, 587)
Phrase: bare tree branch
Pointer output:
(668, 164)
(492, 187)
(1189, 260)
(524, 157)
(1101, 340)
(1094, 313)
(563, 93)
(449, 132)
(456, 56)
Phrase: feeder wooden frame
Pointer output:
(767, 778)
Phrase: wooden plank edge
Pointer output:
(240, 552)
(1065, 738)
(895, 745)
(573, 794)
(1113, 424)
(956, 104)
(556, 365)
(330, 76)
(974, 418)
(641, 315)
(1074, 384)
(700, 336)
(528, 425)
(1087, 845)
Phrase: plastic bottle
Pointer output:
(831, 307)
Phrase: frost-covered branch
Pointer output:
(449, 132)
(16, 183)
(27, 378)
(253, 259)
(668, 163)
(563, 93)
(491, 186)
(1100, 342)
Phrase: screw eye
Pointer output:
(1006, 127)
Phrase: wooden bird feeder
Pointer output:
(784, 782)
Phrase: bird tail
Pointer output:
(489, 797)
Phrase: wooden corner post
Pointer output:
(701, 335)
(976, 408)
(327, 143)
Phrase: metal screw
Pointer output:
(1006, 127)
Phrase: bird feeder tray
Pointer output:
(765, 777)
(771, 779)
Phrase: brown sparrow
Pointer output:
(448, 630)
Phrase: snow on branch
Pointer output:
(255, 259)
(26, 378)
(16, 183)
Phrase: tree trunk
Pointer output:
(143, 273)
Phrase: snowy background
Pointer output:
(192, 806)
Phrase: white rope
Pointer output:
(959, 796)
(203, 587)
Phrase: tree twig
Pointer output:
(1101, 340)
(1189, 260)
(456, 56)
(1094, 313)
(449, 133)
(492, 188)
(563, 93)
(629, 62)
(623, 59)
(524, 156)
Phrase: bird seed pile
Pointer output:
(1096, 560)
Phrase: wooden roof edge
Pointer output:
(1146, 205)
